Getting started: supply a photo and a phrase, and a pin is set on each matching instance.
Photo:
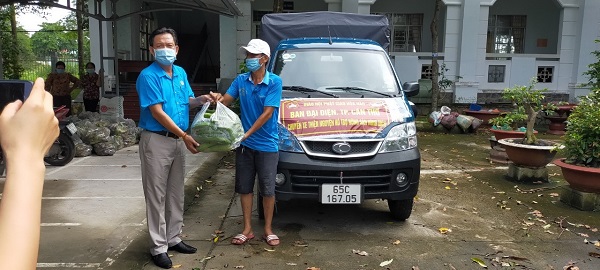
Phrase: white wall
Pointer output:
(228, 59)
(125, 42)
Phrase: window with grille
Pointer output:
(496, 73)
(426, 71)
(506, 33)
(545, 74)
(406, 31)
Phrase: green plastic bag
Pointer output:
(220, 131)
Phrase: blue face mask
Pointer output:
(253, 64)
(90, 70)
(60, 70)
(165, 56)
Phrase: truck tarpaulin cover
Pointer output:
(331, 117)
(278, 26)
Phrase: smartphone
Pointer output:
(12, 90)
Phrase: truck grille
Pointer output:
(309, 181)
(362, 148)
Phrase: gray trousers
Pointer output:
(163, 171)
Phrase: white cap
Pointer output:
(257, 46)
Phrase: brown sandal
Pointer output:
(241, 239)
(270, 239)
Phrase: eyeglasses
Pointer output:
(162, 46)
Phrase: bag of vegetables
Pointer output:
(219, 131)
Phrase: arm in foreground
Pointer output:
(27, 130)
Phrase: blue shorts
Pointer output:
(251, 164)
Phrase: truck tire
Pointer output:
(400, 209)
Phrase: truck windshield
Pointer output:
(333, 70)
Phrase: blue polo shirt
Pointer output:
(253, 99)
(154, 86)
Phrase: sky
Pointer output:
(31, 22)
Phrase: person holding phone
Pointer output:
(60, 84)
(27, 130)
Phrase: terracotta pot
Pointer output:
(565, 110)
(505, 134)
(580, 178)
(485, 116)
(557, 125)
(524, 155)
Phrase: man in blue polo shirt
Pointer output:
(259, 93)
(165, 100)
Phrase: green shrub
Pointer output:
(582, 139)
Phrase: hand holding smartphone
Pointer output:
(12, 90)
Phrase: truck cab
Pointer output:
(346, 129)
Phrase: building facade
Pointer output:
(484, 45)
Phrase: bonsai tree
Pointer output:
(582, 139)
(529, 100)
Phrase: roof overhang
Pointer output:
(221, 7)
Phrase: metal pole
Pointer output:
(98, 10)
(115, 54)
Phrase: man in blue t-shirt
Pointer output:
(259, 93)
(165, 100)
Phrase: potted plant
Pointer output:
(581, 165)
(528, 151)
(557, 113)
(508, 125)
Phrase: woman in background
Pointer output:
(91, 82)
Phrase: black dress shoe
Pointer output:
(182, 247)
(162, 260)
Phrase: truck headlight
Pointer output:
(287, 141)
(399, 138)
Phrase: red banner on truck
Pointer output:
(314, 117)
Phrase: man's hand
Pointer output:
(190, 144)
(201, 100)
(216, 96)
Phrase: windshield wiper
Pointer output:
(303, 89)
(348, 88)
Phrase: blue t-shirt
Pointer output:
(253, 99)
(154, 86)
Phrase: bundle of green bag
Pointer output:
(217, 131)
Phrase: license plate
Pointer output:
(72, 128)
(341, 194)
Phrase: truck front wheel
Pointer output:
(400, 209)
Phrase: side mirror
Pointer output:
(410, 88)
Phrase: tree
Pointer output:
(435, 87)
(82, 34)
(594, 71)
(53, 38)
(10, 49)
(13, 41)
(277, 6)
